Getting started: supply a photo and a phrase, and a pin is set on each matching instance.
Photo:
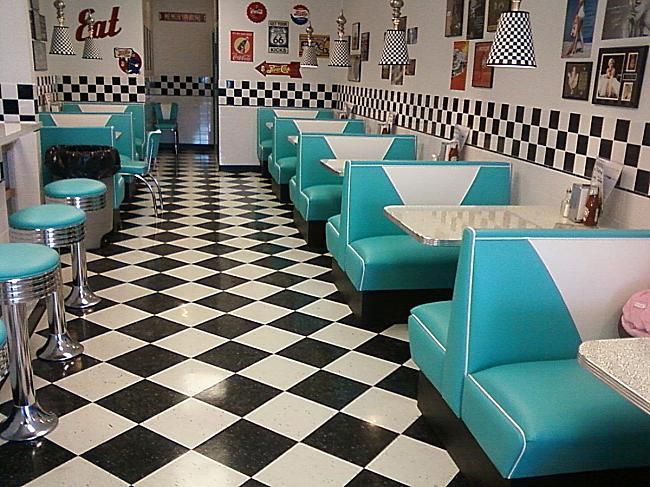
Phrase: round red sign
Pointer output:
(300, 14)
(256, 12)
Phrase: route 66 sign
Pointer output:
(278, 37)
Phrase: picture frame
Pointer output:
(403, 21)
(385, 72)
(412, 35)
(460, 56)
(624, 20)
(495, 9)
(619, 76)
(410, 68)
(365, 46)
(39, 49)
(579, 27)
(397, 75)
(482, 75)
(354, 71)
(577, 80)
(454, 17)
(278, 37)
(320, 41)
(476, 19)
(356, 34)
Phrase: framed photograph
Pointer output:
(482, 75)
(356, 33)
(40, 55)
(385, 72)
(454, 18)
(412, 35)
(278, 36)
(397, 75)
(42, 36)
(495, 9)
(241, 46)
(619, 76)
(321, 41)
(459, 65)
(365, 46)
(577, 81)
(34, 4)
(354, 71)
(476, 19)
(579, 26)
(410, 68)
(403, 20)
(625, 19)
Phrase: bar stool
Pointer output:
(88, 195)
(58, 226)
(4, 357)
(28, 272)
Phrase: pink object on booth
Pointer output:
(636, 314)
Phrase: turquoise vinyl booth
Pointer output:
(381, 271)
(265, 121)
(316, 192)
(137, 111)
(499, 380)
(283, 161)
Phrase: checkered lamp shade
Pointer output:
(513, 43)
(395, 49)
(340, 54)
(309, 57)
(91, 49)
(61, 42)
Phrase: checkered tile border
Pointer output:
(120, 89)
(275, 94)
(17, 102)
(564, 141)
(168, 85)
(47, 85)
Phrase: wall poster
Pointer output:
(410, 68)
(354, 71)
(459, 65)
(385, 72)
(397, 75)
(626, 18)
(482, 75)
(619, 76)
(577, 81)
(321, 41)
(279, 36)
(579, 28)
(476, 19)
(365, 46)
(241, 46)
(454, 18)
(356, 33)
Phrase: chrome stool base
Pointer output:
(81, 298)
(59, 348)
(28, 423)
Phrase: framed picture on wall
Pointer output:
(459, 65)
(397, 75)
(454, 18)
(365, 46)
(579, 26)
(619, 77)
(385, 72)
(482, 75)
(356, 33)
(354, 71)
(577, 81)
(410, 68)
(495, 9)
(626, 18)
(40, 55)
(476, 19)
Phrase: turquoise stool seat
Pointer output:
(333, 239)
(399, 262)
(319, 203)
(46, 216)
(21, 261)
(428, 325)
(550, 417)
(75, 187)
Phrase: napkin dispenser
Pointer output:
(579, 194)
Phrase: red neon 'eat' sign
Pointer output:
(102, 28)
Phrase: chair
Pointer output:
(142, 170)
(167, 120)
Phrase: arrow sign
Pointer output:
(280, 69)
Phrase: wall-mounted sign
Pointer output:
(280, 69)
(278, 37)
(181, 17)
(321, 41)
(241, 46)
(130, 62)
(101, 28)
(300, 14)
(256, 12)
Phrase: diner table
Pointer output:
(293, 139)
(337, 166)
(623, 364)
(444, 225)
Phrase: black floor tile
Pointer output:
(238, 394)
(420, 430)
(99, 282)
(281, 279)
(53, 371)
(218, 263)
(313, 352)
(329, 389)
(23, 462)
(141, 400)
(386, 348)
(152, 329)
(225, 302)
(228, 326)
(403, 381)
(290, 299)
(147, 360)
(81, 329)
(162, 264)
(156, 303)
(232, 356)
(221, 281)
(366, 478)
(300, 323)
(159, 282)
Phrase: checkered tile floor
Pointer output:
(222, 355)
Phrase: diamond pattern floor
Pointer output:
(222, 355)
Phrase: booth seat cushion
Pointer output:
(552, 417)
(75, 187)
(333, 239)
(428, 326)
(399, 262)
(293, 190)
(47, 216)
(264, 149)
(3, 333)
(23, 260)
(284, 169)
(321, 202)
(119, 190)
(166, 124)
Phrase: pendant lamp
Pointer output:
(340, 53)
(61, 44)
(513, 43)
(395, 51)
(309, 54)
(91, 49)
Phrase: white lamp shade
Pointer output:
(91, 49)
(395, 48)
(340, 54)
(513, 43)
(309, 57)
(61, 44)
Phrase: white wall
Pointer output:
(540, 87)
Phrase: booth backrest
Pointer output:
(122, 125)
(535, 295)
(265, 115)
(312, 148)
(286, 127)
(137, 110)
(369, 186)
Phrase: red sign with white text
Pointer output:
(241, 46)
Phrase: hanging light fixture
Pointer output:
(340, 54)
(395, 51)
(61, 44)
(309, 54)
(513, 43)
(91, 49)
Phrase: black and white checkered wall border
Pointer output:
(275, 94)
(17, 102)
(119, 89)
(47, 85)
(172, 85)
(564, 141)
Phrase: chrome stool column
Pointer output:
(28, 272)
(4, 356)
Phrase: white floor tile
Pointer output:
(192, 256)
(191, 291)
(135, 257)
(190, 272)
(191, 314)
(327, 310)
(124, 292)
(190, 377)
(313, 287)
(249, 271)
(362, 367)
(279, 372)
(255, 290)
(384, 408)
(191, 342)
(77, 473)
(307, 271)
(98, 381)
(129, 273)
(110, 345)
(117, 316)
(261, 312)
(269, 338)
(343, 335)
(400, 332)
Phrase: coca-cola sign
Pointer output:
(256, 12)
(101, 28)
